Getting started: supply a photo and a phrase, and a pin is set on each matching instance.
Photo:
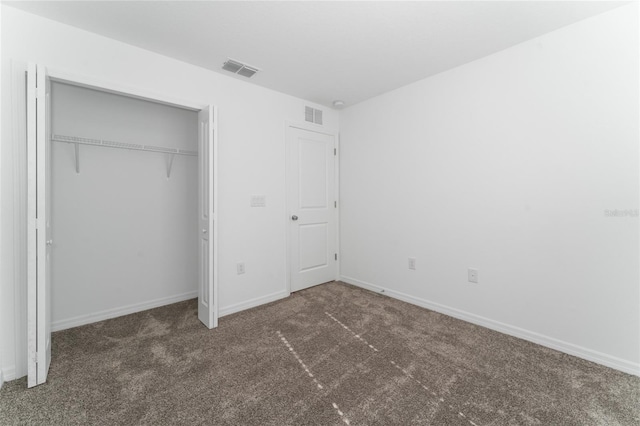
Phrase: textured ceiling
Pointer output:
(322, 51)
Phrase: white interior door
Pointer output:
(208, 281)
(39, 225)
(311, 198)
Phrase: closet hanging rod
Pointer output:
(122, 145)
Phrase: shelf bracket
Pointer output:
(77, 152)
(170, 158)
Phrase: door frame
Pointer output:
(336, 140)
(64, 76)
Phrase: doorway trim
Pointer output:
(64, 76)
(336, 140)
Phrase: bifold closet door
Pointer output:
(207, 291)
(39, 225)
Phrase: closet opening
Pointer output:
(124, 211)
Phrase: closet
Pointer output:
(121, 205)
(124, 210)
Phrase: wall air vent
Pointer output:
(232, 66)
(239, 68)
(247, 71)
(312, 115)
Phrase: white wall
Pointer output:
(251, 158)
(125, 236)
(507, 164)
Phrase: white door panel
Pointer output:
(207, 277)
(313, 249)
(312, 169)
(312, 214)
(40, 242)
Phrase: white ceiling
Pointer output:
(322, 51)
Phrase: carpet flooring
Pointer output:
(329, 355)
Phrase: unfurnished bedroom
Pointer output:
(320, 213)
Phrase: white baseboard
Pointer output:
(550, 342)
(7, 374)
(119, 311)
(232, 309)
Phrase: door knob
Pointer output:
(204, 231)
(49, 242)
(294, 217)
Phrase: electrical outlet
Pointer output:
(473, 275)
(240, 268)
(412, 263)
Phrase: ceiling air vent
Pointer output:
(239, 68)
(312, 115)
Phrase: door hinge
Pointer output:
(335, 151)
(35, 357)
(335, 204)
(336, 256)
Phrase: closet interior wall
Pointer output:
(124, 231)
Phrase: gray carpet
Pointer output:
(330, 355)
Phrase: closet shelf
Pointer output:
(77, 141)
(122, 145)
